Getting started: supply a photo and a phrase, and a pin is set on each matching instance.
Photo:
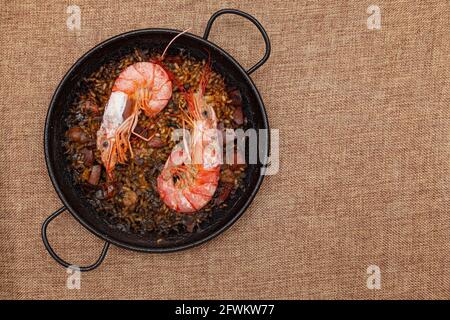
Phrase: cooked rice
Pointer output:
(136, 206)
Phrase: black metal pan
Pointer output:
(112, 48)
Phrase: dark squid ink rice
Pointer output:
(131, 201)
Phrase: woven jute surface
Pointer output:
(364, 175)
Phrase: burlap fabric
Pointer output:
(364, 140)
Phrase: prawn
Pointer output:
(141, 86)
(190, 175)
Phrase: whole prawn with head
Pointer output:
(190, 176)
(141, 86)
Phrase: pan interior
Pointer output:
(115, 48)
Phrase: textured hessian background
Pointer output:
(365, 150)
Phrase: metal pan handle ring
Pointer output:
(251, 19)
(56, 257)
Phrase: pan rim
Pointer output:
(104, 236)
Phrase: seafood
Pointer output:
(131, 200)
(190, 176)
(141, 86)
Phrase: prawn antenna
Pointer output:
(186, 117)
(205, 74)
(171, 41)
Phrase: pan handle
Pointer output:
(251, 19)
(53, 253)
